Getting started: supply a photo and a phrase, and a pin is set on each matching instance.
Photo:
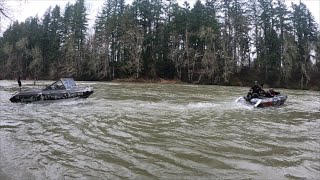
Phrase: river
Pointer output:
(159, 131)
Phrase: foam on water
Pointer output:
(6, 83)
(9, 124)
(201, 105)
(5, 96)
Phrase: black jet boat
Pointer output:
(65, 88)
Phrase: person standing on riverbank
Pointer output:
(19, 83)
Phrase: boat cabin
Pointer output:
(62, 84)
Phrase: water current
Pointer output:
(159, 131)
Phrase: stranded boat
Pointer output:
(262, 101)
(65, 88)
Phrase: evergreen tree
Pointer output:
(305, 34)
(132, 41)
(254, 13)
(55, 37)
(226, 42)
(148, 15)
(209, 32)
(102, 39)
(178, 38)
(79, 27)
(45, 39)
(317, 54)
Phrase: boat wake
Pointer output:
(5, 96)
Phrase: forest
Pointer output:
(224, 42)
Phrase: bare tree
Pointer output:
(4, 10)
(133, 41)
(177, 54)
(36, 64)
(209, 61)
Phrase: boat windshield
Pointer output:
(68, 83)
(58, 85)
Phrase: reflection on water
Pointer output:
(154, 131)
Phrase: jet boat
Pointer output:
(262, 101)
(64, 88)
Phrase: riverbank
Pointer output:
(240, 80)
(235, 81)
(143, 80)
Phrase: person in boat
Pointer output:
(271, 93)
(249, 95)
(261, 91)
(256, 88)
(254, 91)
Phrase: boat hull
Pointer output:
(32, 96)
(277, 100)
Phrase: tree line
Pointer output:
(212, 42)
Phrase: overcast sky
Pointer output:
(22, 9)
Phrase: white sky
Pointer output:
(22, 9)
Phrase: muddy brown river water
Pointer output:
(159, 131)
